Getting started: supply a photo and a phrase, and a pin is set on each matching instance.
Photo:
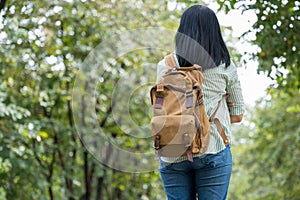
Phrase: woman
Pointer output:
(199, 41)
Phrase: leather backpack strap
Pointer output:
(170, 61)
(212, 117)
(219, 125)
(194, 67)
(221, 131)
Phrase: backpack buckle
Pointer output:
(156, 142)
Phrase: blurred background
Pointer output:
(43, 44)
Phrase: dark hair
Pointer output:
(198, 36)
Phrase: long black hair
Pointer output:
(199, 40)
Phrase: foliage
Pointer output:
(42, 44)
(279, 57)
(276, 35)
(42, 156)
(277, 147)
(268, 155)
(271, 151)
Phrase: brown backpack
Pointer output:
(180, 125)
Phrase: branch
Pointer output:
(36, 155)
(62, 160)
(92, 171)
(86, 176)
(102, 123)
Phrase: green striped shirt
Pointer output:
(217, 82)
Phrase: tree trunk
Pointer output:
(100, 185)
(50, 191)
(86, 176)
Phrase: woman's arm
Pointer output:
(234, 97)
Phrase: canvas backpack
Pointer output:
(180, 125)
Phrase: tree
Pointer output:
(276, 35)
(40, 150)
(273, 145)
(275, 148)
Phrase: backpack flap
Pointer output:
(173, 134)
(171, 129)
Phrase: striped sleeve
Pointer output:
(233, 87)
(161, 69)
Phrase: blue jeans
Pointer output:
(206, 178)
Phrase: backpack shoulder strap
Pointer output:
(219, 125)
(170, 61)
